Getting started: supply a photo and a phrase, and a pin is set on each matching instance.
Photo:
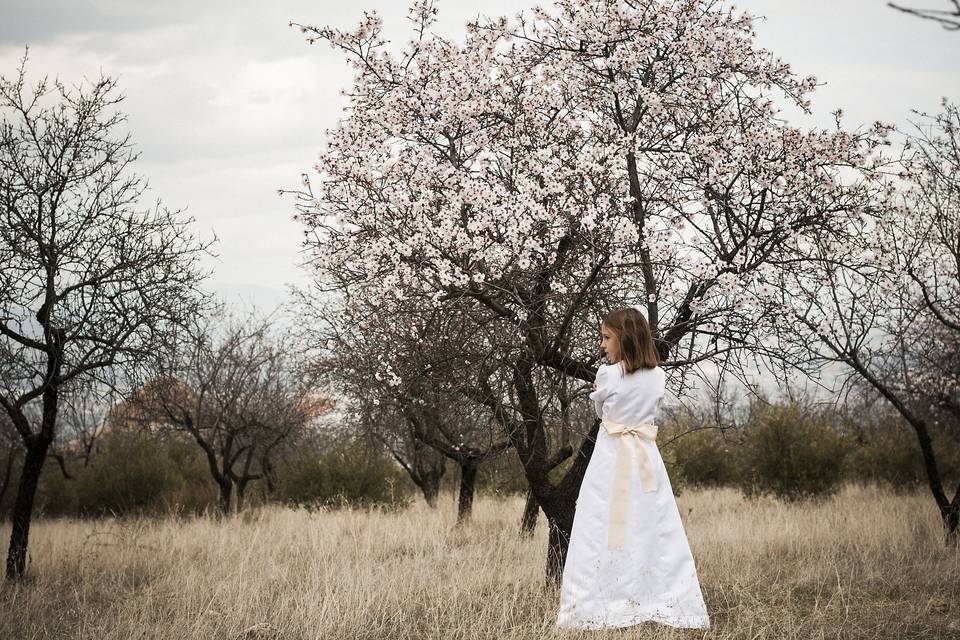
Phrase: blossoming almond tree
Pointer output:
(552, 167)
(232, 383)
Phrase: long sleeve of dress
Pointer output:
(599, 394)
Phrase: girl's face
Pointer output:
(609, 344)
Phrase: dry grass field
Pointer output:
(865, 564)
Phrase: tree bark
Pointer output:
(560, 520)
(532, 508)
(8, 471)
(87, 453)
(427, 480)
(468, 480)
(528, 437)
(561, 504)
(530, 512)
(430, 488)
(425, 467)
(23, 507)
(226, 492)
(951, 522)
(245, 478)
(269, 475)
(241, 493)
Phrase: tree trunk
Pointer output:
(428, 468)
(226, 492)
(8, 471)
(560, 521)
(427, 472)
(951, 523)
(532, 508)
(268, 475)
(949, 510)
(23, 507)
(425, 467)
(241, 492)
(560, 507)
(87, 453)
(430, 490)
(468, 480)
(244, 479)
(531, 511)
(529, 440)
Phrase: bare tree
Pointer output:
(393, 366)
(280, 404)
(91, 281)
(949, 19)
(458, 430)
(85, 409)
(425, 465)
(235, 389)
(886, 303)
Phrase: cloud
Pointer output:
(46, 21)
(228, 104)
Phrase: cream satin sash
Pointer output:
(629, 449)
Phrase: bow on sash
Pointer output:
(629, 449)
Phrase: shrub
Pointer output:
(790, 453)
(891, 456)
(699, 458)
(351, 475)
(131, 473)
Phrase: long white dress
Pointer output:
(653, 576)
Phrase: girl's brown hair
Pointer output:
(637, 350)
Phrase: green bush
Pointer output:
(350, 476)
(891, 456)
(699, 458)
(790, 453)
(131, 473)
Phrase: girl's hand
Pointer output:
(593, 387)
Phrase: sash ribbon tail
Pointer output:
(630, 451)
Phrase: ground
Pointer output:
(865, 564)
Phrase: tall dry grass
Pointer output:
(865, 564)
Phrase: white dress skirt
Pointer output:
(642, 569)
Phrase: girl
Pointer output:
(628, 560)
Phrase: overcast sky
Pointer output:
(227, 104)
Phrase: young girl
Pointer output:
(629, 560)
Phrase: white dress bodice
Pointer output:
(631, 398)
